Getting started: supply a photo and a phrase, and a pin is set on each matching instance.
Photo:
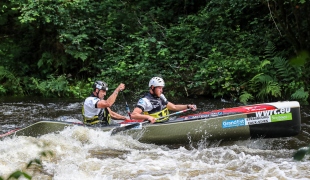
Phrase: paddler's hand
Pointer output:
(151, 119)
(120, 87)
(193, 107)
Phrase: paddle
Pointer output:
(127, 107)
(130, 126)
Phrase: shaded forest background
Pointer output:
(234, 49)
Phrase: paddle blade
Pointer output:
(124, 128)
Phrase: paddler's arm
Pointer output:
(137, 114)
(110, 101)
(115, 115)
(179, 107)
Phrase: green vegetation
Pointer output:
(34, 165)
(241, 50)
(301, 153)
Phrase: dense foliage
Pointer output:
(242, 50)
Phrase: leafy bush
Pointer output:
(10, 84)
(197, 47)
(276, 78)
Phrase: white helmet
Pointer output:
(156, 81)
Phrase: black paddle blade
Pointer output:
(124, 128)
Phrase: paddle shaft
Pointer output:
(127, 107)
(172, 114)
(130, 126)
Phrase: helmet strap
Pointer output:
(152, 89)
(97, 93)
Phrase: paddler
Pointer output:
(96, 110)
(155, 105)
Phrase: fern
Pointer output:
(6, 74)
(269, 89)
(58, 85)
(284, 71)
(252, 84)
(10, 83)
(258, 80)
(245, 97)
(300, 95)
(263, 64)
(2, 90)
(38, 86)
(263, 79)
(275, 78)
(265, 86)
(53, 86)
(270, 50)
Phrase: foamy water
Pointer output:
(81, 153)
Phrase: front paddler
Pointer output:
(155, 105)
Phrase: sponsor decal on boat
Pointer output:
(281, 117)
(257, 120)
(214, 114)
(233, 123)
(195, 117)
(271, 112)
(268, 116)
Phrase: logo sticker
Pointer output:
(233, 123)
(269, 116)
(281, 117)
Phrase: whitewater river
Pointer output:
(81, 153)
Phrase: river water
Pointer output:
(81, 153)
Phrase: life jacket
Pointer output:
(160, 109)
(103, 117)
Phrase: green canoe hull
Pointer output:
(228, 124)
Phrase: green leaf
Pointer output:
(300, 59)
(152, 39)
(301, 153)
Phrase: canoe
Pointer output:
(266, 120)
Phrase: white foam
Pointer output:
(82, 153)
